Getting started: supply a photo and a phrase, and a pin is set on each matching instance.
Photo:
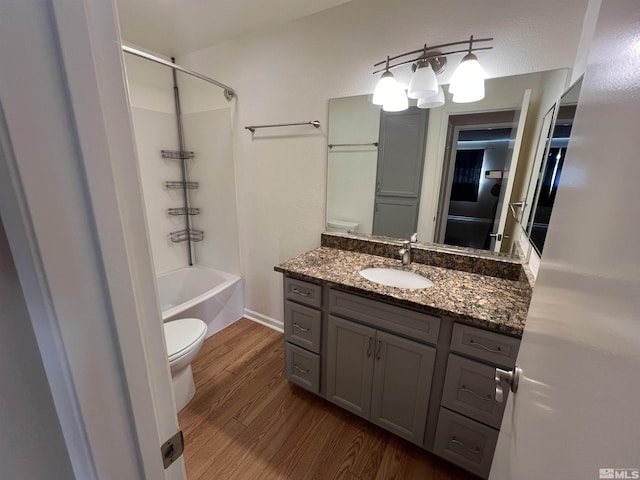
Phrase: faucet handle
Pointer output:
(414, 238)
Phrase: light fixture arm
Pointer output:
(434, 51)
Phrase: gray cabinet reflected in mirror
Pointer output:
(452, 174)
(549, 162)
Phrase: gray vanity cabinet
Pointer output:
(349, 374)
(402, 376)
(379, 376)
(428, 379)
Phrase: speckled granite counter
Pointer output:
(485, 301)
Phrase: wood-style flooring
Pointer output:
(247, 422)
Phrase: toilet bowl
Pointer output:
(342, 226)
(184, 338)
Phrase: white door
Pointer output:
(576, 414)
(71, 206)
(505, 192)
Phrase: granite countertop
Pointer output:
(481, 300)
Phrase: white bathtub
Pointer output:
(213, 296)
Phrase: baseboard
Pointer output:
(272, 323)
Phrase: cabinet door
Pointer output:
(401, 386)
(350, 365)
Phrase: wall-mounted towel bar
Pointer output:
(374, 144)
(252, 128)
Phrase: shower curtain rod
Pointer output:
(229, 93)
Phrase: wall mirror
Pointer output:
(451, 173)
(548, 165)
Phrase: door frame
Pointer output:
(72, 209)
(493, 119)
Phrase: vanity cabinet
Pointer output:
(302, 333)
(428, 379)
(379, 376)
(470, 417)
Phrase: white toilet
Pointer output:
(184, 339)
(342, 226)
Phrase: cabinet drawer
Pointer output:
(302, 326)
(469, 388)
(302, 367)
(302, 292)
(419, 326)
(484, 345)
(465, 442)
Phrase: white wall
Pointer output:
(288, 73)
(208, 134)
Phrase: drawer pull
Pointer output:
(301, 370)
(479, 345)
(472, 450)
(300, 327)
(481, 397)
(369, 347)
(302, 294)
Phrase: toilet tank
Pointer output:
(342, 226)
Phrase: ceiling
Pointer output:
(177, 27)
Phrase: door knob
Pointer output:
(512, 377)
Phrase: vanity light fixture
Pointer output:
(433, 101)
(467, 83)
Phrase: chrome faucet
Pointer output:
(405, 251)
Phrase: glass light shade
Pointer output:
(423, 83)
(384, 88)
(467, 76)
(434, 101)
(396, 100)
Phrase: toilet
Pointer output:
(342, 226)
(184, 338)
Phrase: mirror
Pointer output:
(544, 186)
(394, 174)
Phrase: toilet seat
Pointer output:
(181, 335)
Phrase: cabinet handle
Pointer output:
(379, 350)
(299, 327)
(466, 390)
(479, 345)
(301, 370)
(472, 450)
(368, 347)
(302, 294)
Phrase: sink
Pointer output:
(396, 278)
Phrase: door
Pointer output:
(575, 414)
(350, 365)
(401, 386)
(71, 207)
(399, 174)
(479, 157)
(500, 221)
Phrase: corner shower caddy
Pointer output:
(188, 234)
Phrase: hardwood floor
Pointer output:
(247, 422)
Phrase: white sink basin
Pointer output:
(396, 278)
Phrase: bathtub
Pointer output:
(215, 297)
